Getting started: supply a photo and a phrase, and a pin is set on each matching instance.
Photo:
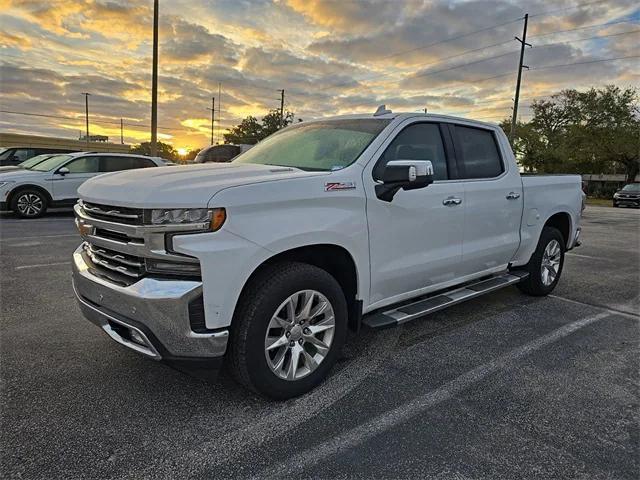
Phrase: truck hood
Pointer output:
(188, 186)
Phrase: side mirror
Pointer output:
(62, 171)
(405, 174)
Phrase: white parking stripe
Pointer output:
(584, 256)
(296, 464)
(21, 267)
(614, 310)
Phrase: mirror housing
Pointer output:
(405, 174)
(62, 171)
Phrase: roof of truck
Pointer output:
(402, 115)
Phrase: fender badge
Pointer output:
(333, 186)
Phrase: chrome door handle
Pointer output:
(513, 196)
(452, 201)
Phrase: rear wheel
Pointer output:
(29, 203)
(545, 265)
(288, 330)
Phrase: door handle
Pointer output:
(513, 196)
(452, 201)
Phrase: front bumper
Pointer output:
(151, 316)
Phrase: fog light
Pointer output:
(137, 337)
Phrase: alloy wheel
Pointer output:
(29, 204)
(550, 262)
(299, 334)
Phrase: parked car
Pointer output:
(15, 155)
(627, 196)
(342, 222)
(27, 163)
(54, 181)
(220, 153)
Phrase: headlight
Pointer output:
(616, 195)
(213, 218)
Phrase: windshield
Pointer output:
(632, 187)
(50, 163)
(317, 146)
(33, 161)
(4, 153)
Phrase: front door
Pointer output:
(65, 187)
(416, 239)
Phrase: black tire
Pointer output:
(260, 299)
(533, 284)
(37, 203)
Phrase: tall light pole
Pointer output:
(154, 84)
(523, 44)
(86, 114)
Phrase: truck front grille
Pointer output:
(128, 216)
(124, 264)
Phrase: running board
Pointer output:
(425, 306)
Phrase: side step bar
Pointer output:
(425, 306)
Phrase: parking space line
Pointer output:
(21, 267)
(611, 310)
(584, 256)
(296, 464)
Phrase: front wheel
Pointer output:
(288, 330)
(29, 203)
(545, 265)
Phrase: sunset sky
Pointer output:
(331, 57)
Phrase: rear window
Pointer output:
(480, 154)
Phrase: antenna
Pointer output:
(382, 110)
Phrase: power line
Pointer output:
(588, 38)
(583, 28)
(564, 9)
(547, 67)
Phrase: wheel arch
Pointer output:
(334, 259)
(28, 186)
(562, 222)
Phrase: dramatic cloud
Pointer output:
(330, 56)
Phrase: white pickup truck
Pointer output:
(325, 225)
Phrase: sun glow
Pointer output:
(182, 151)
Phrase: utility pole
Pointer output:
(219, 105)
(523, 44)
(154, 84)
(121, 132)
(281, 108)
(86, 114)
(213, 113)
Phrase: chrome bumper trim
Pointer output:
(159, 305)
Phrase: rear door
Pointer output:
(65, 187)
(493, 200)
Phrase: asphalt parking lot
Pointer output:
(506, 386)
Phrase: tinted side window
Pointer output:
(22, 154)
(116, 164)
(480, 154)
(83, 165)
(421, 141)
(141, 163)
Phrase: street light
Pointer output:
(154, 84)
(86, 114)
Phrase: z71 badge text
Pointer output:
(334, 186)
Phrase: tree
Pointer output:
(250, 131)
(165, 150)
(578, 132)
(271, 122)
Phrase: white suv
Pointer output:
(55, 181)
